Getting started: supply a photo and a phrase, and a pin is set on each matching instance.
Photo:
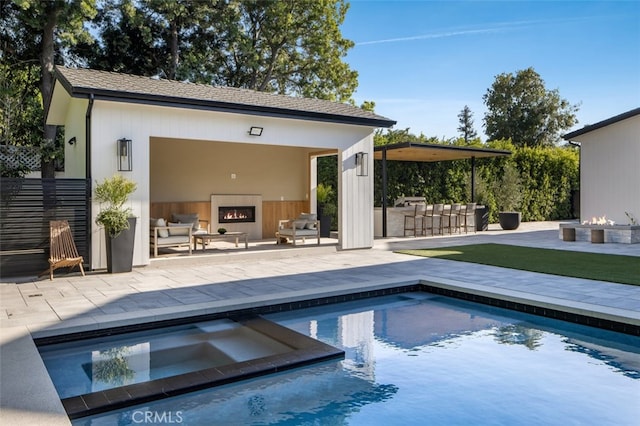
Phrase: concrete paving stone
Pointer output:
(28, 318)
(111, 309)
(90, 283)
(184, 293)
(12, 300)
(15, 311)
(123, 291)
(9, 291)
(38, 292)
(27, 286)
(157, 297)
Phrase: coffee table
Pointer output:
(204, 238)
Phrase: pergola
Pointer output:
(421, 152)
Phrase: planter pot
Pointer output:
(482, 218)
(325, 223)
(120, 249)
(509, 220)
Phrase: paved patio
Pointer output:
(184, 286)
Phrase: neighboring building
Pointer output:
(610, 168)
(191, 143)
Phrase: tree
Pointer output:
(128, 41)
(520, 108)
(37, 32)
(465, 118)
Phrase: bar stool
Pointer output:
(452, 218)
(411, 221)
(467, 217)
(432, 213)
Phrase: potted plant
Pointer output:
(323, 193)
(508, 194)
(119, 225)
(222, 231)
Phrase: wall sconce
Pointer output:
(362, 164)
(255, 131)
(125, 163)
(72, 140)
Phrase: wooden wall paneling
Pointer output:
(166, 209)
(273, 211)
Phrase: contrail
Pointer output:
(496, 28)
(430, 36)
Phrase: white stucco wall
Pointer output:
(355, 201)
(75, 155)
(143, 124)
(610, 171)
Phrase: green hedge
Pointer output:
(550, 177)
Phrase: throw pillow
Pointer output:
(162, 233)
(191, 218)
(310, 219)
(181, 229)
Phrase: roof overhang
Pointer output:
(114, 94)
(601, 124)
(408, 151)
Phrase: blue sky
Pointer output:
(421, 62)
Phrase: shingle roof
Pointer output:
(601, 124)
(138, 89)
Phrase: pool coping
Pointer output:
(610, 318)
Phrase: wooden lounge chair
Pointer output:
(63, 252)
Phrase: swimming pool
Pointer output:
(420, 358)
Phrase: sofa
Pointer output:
(306, 225)
(171, 234)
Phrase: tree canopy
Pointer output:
(35, 35)
(520, 108)
(291, 47)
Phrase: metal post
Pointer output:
(473, 179)
(384, 192)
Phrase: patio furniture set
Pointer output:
(440, 217)
(188, 230)
(306, 225)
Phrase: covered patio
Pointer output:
(410, 151)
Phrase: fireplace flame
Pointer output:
(235, 215)
(599, 221)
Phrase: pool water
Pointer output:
(419, 358)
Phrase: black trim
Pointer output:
(469, 149)
(601, 124)
(87, 171)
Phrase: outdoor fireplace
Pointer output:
(236, 214)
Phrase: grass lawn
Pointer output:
(593, 266)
